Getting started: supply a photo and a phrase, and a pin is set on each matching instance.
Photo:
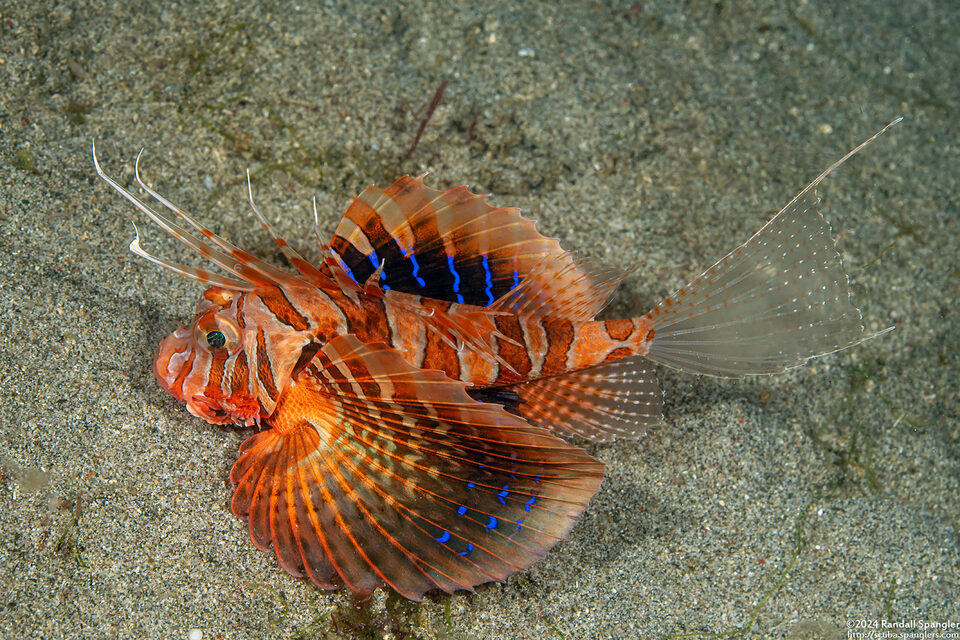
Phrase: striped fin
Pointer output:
(376, 472)
(616, 399)
(447, 245)
(779, 299)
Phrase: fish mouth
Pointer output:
(245, 414)
(203, 407)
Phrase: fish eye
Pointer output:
(216, 339)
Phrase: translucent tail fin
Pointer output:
(776, 301)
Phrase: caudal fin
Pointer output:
(776, 301)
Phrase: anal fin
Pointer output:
(612, 400)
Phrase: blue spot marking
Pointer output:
(489, 280)
(444, 537)
(526, 505)
(469, 549)
(519, 522)
(503, 494)
(492, 524)
(374, 260)
(416, 268)
(471, 485)
(516, 277)
(461, 510)
(456, 279)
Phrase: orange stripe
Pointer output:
(240, 321)
(240, 377)
(518, 357)
(560, 337)
(276, 301)
(619, 329)
(369, 222)
(215, 379)
(440, 355)
(177, 387)
(264, 370)
(617, 354)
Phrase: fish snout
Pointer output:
(176, 358)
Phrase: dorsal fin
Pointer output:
(447, 245)
(570, 287)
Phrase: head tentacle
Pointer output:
(225, 261)
(316, 223)
(301, 264)
(265, 269)
(200, 275)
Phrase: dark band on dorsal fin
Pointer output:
(448, 245)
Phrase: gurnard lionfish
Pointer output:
(409, 388)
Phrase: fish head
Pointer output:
(206, 364)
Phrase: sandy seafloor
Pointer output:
(652, 133)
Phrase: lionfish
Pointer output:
(409, 389)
